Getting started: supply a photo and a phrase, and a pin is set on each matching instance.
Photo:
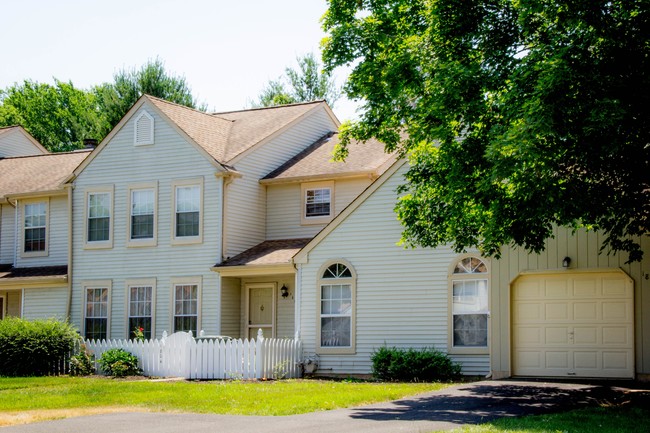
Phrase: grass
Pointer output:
(599, 419)
(34, 399)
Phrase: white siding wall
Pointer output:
(121, 163)
(246, 198)
(231, 314)
(7, 234)
(45, 303)
(57, 234)
(402, 295)
(14, 143)
(284, 207)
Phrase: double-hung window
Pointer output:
(141, 307)
(317, 202)
(336, 310)
(186, 307)
(99, 206)
(469, 304)
(96, 312)
(142, 215)
(35, 223)
(188, 205)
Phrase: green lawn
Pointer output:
(283, 397)
(600, 420)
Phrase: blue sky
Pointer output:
(227, 50)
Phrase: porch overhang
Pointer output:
(254, 270)
(42, 277)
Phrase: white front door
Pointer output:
(261, 309)
(578, 324)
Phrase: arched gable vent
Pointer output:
(143, 129)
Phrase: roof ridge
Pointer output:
(212, 115)
(71, 152)
(317, 101)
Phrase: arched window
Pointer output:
(336, 308)
(469, 304)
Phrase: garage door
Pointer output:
(573, 325)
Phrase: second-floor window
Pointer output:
(188, 211)
(99, 216)
(142, 213)
(35, 227)
(317, 202)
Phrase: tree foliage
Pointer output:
(519, 115)
(60, 116)
(305, 84)
(116, 98)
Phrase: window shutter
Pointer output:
(144, 129)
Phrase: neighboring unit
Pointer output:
(34, 227)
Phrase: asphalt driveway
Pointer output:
(471, 403)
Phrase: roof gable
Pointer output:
(303, 254)
(7, 133)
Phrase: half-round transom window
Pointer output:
(337, 270)
(470, 265)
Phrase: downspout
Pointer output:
(15, 232)
(297, 296)
(68, 188)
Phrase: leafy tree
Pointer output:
(519, 115)
(305, 84)
(60, 116)
(128, 85)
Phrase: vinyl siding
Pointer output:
(121, 164)
(284, 207)
(14, 143)
(231, 307)
(582, 247)
(13, 299)
(246, 197)
(45, 303)
(57, 234)
(401, 295)
(7, 234)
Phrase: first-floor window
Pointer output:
(470, 304)
(186, 300)
(336, 306)
(140, 310)
(96, 325)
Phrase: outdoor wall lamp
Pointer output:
(284, 290)
(566, 262)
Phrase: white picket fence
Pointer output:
(180, 355)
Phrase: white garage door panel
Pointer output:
(573, 325)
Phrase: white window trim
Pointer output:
(353, 328)
(89, 245)
(450, 323)
(304, 219)
(186, 240)
(135, 129)
(96, 284)
(181, 281)
(45, 252)
(151, 242)
(140, 282)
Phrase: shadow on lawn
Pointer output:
(485, 401)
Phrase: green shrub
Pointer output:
(413, 365)
(34, 348)
(82, 364)
(119, 363)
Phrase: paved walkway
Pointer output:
(470, 403)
